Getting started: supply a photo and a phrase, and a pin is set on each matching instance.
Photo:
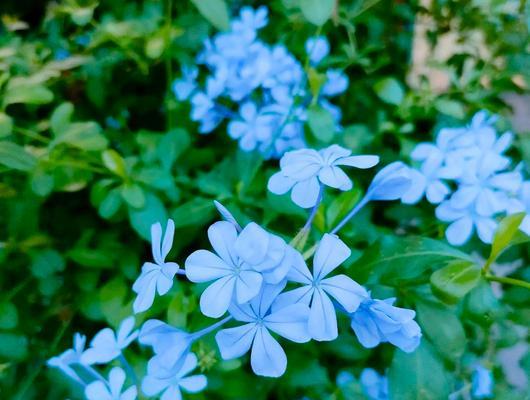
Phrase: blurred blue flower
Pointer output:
(304, 171)
(233, 278)
(184, 87)
(464, 222)
(317, 48)
(378, 321)
(265, 253)
(482, 383)
(375, 386)
(336, 83)
(521, 203)
(72, 356)
(107, 345)
(390, 183)
(170, 345)
(318, 289)
(112, 390)
(157, 276)
(427, 182)
(267, 356)
(250, 21)
(171, 387)
(253, 128)
(61, 54)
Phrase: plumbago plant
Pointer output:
(258, 285)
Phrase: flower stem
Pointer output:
(350, 215)
(508, 281)
(129, 369)
(313, 213)
(92, 371)
(211, 328)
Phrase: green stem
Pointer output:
(76, 164)
(170, 121)
(508, 281)
(29, 133)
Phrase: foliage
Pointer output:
(94, 149)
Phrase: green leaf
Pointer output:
(13, 347)
(14, 156)
(454, 281)
(321, 123)
(82, 15)
(46, 262)
(395, 261)
(198, 211)
(27, 94)
(83, 135)
(41, 183)
(6, 125)
(215, 11)
(8, 315)
(481, 305)
(152, 212)
(133, 195)
(418, 375)
(317, 11)
(390, 91)
(112, 301)
(443, 328)
(171, 146)
(505, 233)
(452, 108)
(60, 118)
(114, 162)
(110, 204)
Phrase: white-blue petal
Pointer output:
(234, 342)
(267, 357)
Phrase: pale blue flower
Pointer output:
(378, 321)
(226, 214)
(374, 386)
(184, 87)
(252, 129)
(482, 383)
(99, 390)
(427, 181)
(250, 21)
(285, 69)
(267, 356)
(72, 356)
(336, 83)
(232, 277)
(170, 345)
(157, 276)
(390, 183)
(171, 387)
(318, 290)
(265, 253)
(204, 108)
(304, 171)
(108, 345)
(464, 222)
(521, 203)
(317, 48)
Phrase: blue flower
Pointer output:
(304, 171)
(99, 390)
(227, 215)
(378, 321)
(70, 357)
(250, 21)
(375, 386)
(482, 383)
(427, 181)
(157, 276)
(265, 253)
(232, 276)
(253, 128)
(318, 289)
(184, 87)
(267, 356)
(336, 83)
(170, 345)
(464, 222)
(172, 386)
(390, 183)
(521, 203)
(204, 111)
(317, 48)
(107, 345)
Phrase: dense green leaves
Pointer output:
(16, 157)
(321, 123)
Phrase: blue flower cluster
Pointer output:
(467, 173)
(261, 90)
(259, 285)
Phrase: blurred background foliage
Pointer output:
(94, 148)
